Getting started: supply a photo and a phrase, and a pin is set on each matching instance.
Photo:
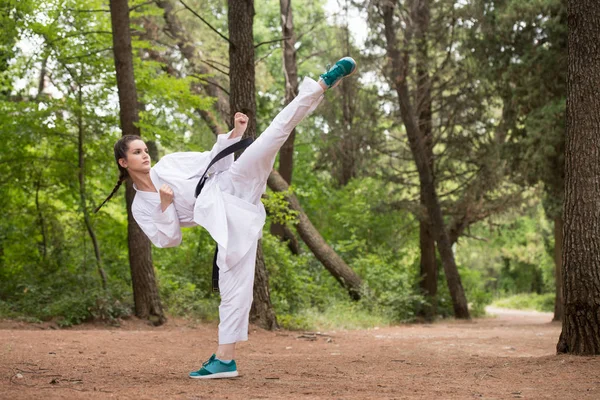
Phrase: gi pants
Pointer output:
(247, 179)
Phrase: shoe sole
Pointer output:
(218, 375)
(351, 72)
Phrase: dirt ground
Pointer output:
(509, 356)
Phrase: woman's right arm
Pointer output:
(161, 227)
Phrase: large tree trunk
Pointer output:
(558, 250)
(145, 291)
(419, 152)
(313, 239)
(290, 71)
(242, 99)
(428, 265)
(581, 251)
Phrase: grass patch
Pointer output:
(528, 301)
(338, 316)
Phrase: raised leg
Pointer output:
(248, 174)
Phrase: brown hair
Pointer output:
(121, 148)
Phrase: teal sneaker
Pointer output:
(215, 368)
(344, 67)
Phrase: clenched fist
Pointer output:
(240, 122)
(166, 196)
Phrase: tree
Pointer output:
(520, 48)
(145, 289)
(427, 264)
(581, 251)
(399, 77)
(290, 71)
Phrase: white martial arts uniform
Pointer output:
(229, 206)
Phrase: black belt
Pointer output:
(242, 144)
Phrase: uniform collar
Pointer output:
(155, 182)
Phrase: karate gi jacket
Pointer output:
(233, 223)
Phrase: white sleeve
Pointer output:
(162, 228)
(222, 143)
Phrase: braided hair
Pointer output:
(121, 148)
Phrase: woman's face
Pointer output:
(138, 159)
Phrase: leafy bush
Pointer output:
(184, 298)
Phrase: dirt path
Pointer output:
(510, 356)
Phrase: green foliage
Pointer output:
(44, 303)
(182, 297)
(389, 285)
(520, 47)
(278, 208)
(514, 256)
(298, 282)
(528, 301)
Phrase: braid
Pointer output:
(117, 186)
(120, 150)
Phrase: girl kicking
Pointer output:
(228, 205)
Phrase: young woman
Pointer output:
(228, 205)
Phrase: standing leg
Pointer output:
(235, 286)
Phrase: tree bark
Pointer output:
(286, 153)
(262, 313)
(290, 71)
(145, 290)
(558, 249)
(581, 252)
(419, 152)
(313, 239)
(44, 244)
(242, 98)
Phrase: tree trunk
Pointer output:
(290, 70)
(313, 239)
(419, 152)
(428, 265)
(44, 244)
(242, 98)
(428, 272)
(558, 249)
(581, 251)
(262, 313)
(145, 291)
(286, 153)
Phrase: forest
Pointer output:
(427, 186)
